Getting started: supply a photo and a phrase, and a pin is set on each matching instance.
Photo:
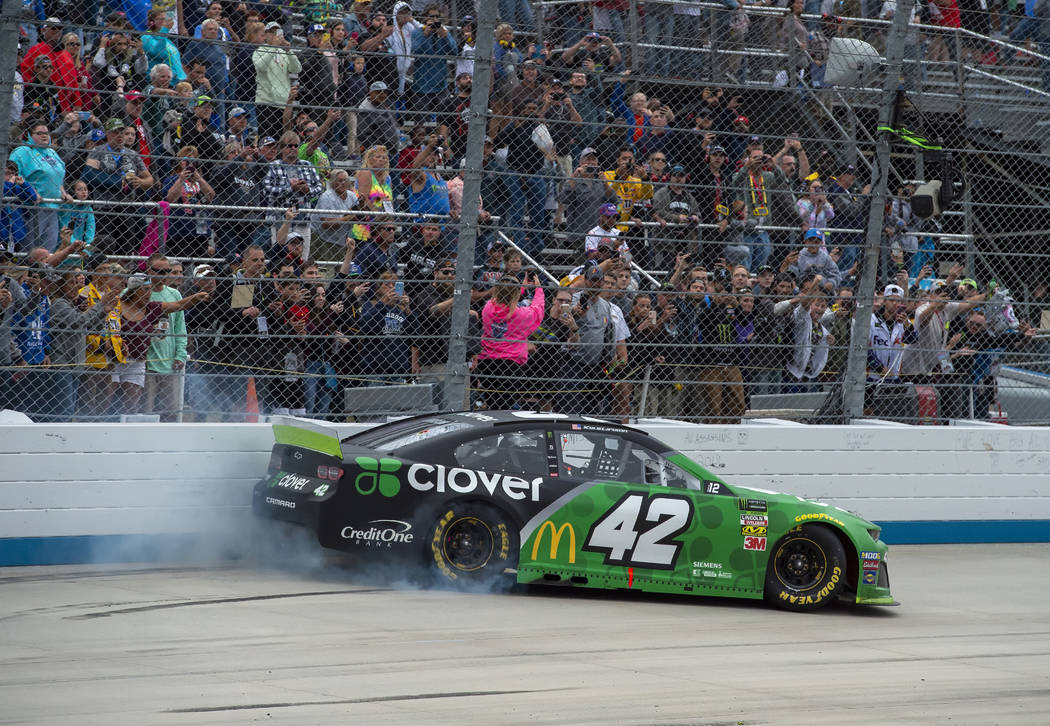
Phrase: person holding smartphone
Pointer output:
(504, 342)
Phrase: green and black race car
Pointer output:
(553, 499)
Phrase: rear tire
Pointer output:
(472, 544)
(806, 569)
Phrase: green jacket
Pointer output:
(170, 344)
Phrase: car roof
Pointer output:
(492, 419)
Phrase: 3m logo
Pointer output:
(556, 535)
(377, 474)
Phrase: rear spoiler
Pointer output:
(305, 434)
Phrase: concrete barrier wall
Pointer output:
(75, 492)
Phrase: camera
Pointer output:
(585, 299)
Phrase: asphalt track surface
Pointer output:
(970, 644)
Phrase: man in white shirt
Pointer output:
(334, 226)
(886, 337)
(605, 232)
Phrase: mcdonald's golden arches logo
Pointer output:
(556, 535)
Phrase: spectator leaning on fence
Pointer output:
(69, 325)
(889, 326)
(166, 356)
(506, 328)
(139, 317)
(932, 321)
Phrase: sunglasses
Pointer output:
(388, 229)
(291, 146)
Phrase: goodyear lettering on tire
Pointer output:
(435, 544)
(829, 587)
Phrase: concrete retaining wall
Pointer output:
(83, 492)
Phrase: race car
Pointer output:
(543, 498)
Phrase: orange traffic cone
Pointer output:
(251, 403)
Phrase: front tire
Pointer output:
(472, 544)
(806, 569)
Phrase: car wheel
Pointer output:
(473, 544)
(806, 569)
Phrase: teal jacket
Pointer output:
(42, 167)
(171, 345)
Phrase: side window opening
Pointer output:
(521, 453)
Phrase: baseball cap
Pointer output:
(235, 112)
(969, 281)
(488, 139)
(41, 60)
(294, 236)
(53, 274)
(813, 232)
(354, 270)
(53, 21)
(466, 19)
(848, 169)
(298, 311)
(741, 120)
(378, 86)
(764, 268)
(893, 291)
(593, 273)
(589, 151)
(114, 124)
(267, 141)
(704, 113)
(315, 28)
(136, 281)
(678, 170)
(272, 25)
(204, 271)
(97, 135)
(607, 210)
(233, 259)
(132, 96)
(201, 100)
(715, 150)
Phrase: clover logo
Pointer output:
(377, 474)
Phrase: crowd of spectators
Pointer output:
(274, 142)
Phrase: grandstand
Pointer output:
(218, 211)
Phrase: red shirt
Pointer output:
(136, 334)
(63, 72)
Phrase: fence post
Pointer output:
(636, 51)
(456, 382)
(856, 361)
(9, 60)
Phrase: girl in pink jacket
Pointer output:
(505, 338)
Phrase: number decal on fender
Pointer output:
(630, 538)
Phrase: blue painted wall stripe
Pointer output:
(965, 531)
(110, 548)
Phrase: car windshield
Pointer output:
(399, 434)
